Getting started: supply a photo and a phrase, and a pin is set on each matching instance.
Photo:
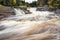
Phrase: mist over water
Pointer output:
(39, 25)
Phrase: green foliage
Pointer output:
(54, 3)
(57, 4)
(10, 2)
(33, 4)
(51, 3)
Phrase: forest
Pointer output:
(50, 3)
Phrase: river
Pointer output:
(39, 25)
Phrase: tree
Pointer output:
(10, 2)
(57, 4)
(42, 2)
(33, 4)
(54, 3)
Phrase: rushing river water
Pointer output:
(38, 25)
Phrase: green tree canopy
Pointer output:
(10, 2)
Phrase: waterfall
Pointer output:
(18, 12)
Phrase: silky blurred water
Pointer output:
(38, 25)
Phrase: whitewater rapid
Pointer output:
(34, 26)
